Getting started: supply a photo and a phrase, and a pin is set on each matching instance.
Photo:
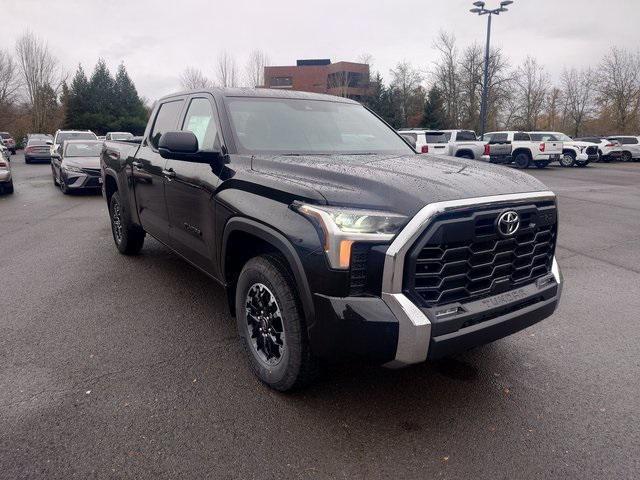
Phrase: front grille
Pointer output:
(92, 182)
(92, 171)
(592, 150)
(461, 257)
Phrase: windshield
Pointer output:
(62, 136)
(437, 137)
(36, 143)
(121, 136)
(297, 126)
(89, 149)
(562, 137)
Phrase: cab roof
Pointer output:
(263, 93)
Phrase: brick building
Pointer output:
(345, 79)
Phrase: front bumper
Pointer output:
(393, 331)
(76, 180)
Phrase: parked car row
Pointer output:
(524, 149)
(73, 154)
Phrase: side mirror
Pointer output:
(49, 142)
(184, 146)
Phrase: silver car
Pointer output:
(78, 166)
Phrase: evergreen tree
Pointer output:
(130, 108)
(77, 100)
(434, 112)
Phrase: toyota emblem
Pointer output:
(508, 223)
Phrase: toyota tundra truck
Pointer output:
(333, 238)
(455, 143)
(525, 151)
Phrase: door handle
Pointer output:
(169, 173)
(136, 164)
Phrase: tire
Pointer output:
(541, 164)
(522, 160)
(582, 164)
(53, 174)
(285, 362)
(468, 156)
(127, 237)
(27, 160)
(568, 159)
(8, 188)
(626, 157)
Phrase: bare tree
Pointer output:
(9, 82)
(578, 95)
(42, 78)
(254, 69)
(446, 76)
(471, 68)
(531, 85)
(193, 78)
(619, 86)
(227, 70)
(405, 79)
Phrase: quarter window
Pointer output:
(166, 120)
(521, 137)
(200, 120)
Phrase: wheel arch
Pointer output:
(241, 233)
(462, 153)
(520, 150)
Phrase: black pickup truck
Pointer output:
(332, 237)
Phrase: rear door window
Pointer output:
(166, 120)
(521, 137)
(437, 137)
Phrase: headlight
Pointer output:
(69, 168)
(341, 227)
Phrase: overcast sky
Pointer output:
(157, 39)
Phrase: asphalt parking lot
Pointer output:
(129, 367)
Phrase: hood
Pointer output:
(82, 162)
(403, 184)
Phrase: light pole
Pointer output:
(481, 10)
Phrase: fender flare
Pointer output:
(280, 243)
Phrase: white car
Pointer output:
(607, 149)
(455, 143)
(630, 147)
(574, 152)
(62, 135)
(6, 181)
(526, 152)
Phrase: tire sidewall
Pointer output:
(564, 160)
(283, 375)
(115, 198)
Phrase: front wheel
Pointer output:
(272, 325)
(522, 160)
(127, 237)
(568, 160)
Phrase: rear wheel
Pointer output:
(8, 188)
(127, 237)
(626, 157)
(466, 155)
(568, 159)
(522, 160)
(272, 326)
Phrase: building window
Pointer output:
(345, 79)
(280, 82)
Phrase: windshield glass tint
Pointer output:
(437, 137)
(83, 149)
(285, 125)
(74, 136)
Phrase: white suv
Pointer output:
(630, 147)
(62, 135)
